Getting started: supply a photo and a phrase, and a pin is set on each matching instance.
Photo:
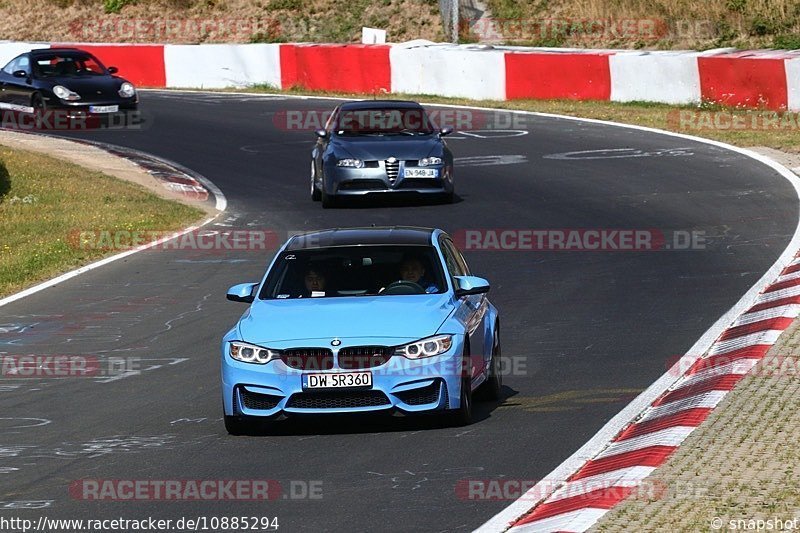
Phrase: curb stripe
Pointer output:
(689, 417)
(790, 310)
(718, 383)
(780, 323)
(753, 352)
(783, 285)
(652, 456)
(598, 499)
(580, 520)
(775, 303)
(738, 367)
(761, 337)
(709, 400)
(616, 478)
(664, 437)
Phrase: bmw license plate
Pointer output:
(420, 172)
(339, 380)
(103, 108)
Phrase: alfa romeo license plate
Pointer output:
(420, 172)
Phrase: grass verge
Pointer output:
(739, 127)
(44, 200)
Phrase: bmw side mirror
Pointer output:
(468, 285)
(242, 292)
(445, 131)
(20, 74)
(322, 134)
(113, 70)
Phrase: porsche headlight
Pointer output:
(250, 353)
(425, 347)
(427, 161)
(350, 163)
(126, 90)
(65, 94)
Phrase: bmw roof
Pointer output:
(402, 235)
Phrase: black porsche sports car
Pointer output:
(381, 147)
(64, 79)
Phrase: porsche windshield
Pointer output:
(355, 271)
(398, 121)
(74, 64)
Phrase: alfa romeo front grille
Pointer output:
(392, 170)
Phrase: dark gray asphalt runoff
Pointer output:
(591, 328)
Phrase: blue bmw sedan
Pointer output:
(361, 320)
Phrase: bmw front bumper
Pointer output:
(399, 385)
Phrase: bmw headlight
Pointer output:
(350, 163)
(126, 90)
(427, 161)
(425, 347)
(65, 94)
(250, 353)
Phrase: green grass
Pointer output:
(654, 115)
(43, 201)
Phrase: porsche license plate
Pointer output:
(103, 108)
(420, 172)
(338, 380)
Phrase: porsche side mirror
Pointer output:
(20, 74)
(113, 70)
(322, 134)
(242, 292)
(445, 131)
(467, 285)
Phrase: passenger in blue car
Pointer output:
(412, 269)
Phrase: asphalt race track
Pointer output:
(588, 330)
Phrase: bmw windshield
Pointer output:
(355, 271)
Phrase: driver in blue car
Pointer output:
(412, 269)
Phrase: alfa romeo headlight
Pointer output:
(250, 353)
(350, 163)
(425, 347)
(65, 94)
(426, 161)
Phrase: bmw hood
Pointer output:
(384, 147)
(408, 317)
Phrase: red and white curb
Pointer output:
(633, 454)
